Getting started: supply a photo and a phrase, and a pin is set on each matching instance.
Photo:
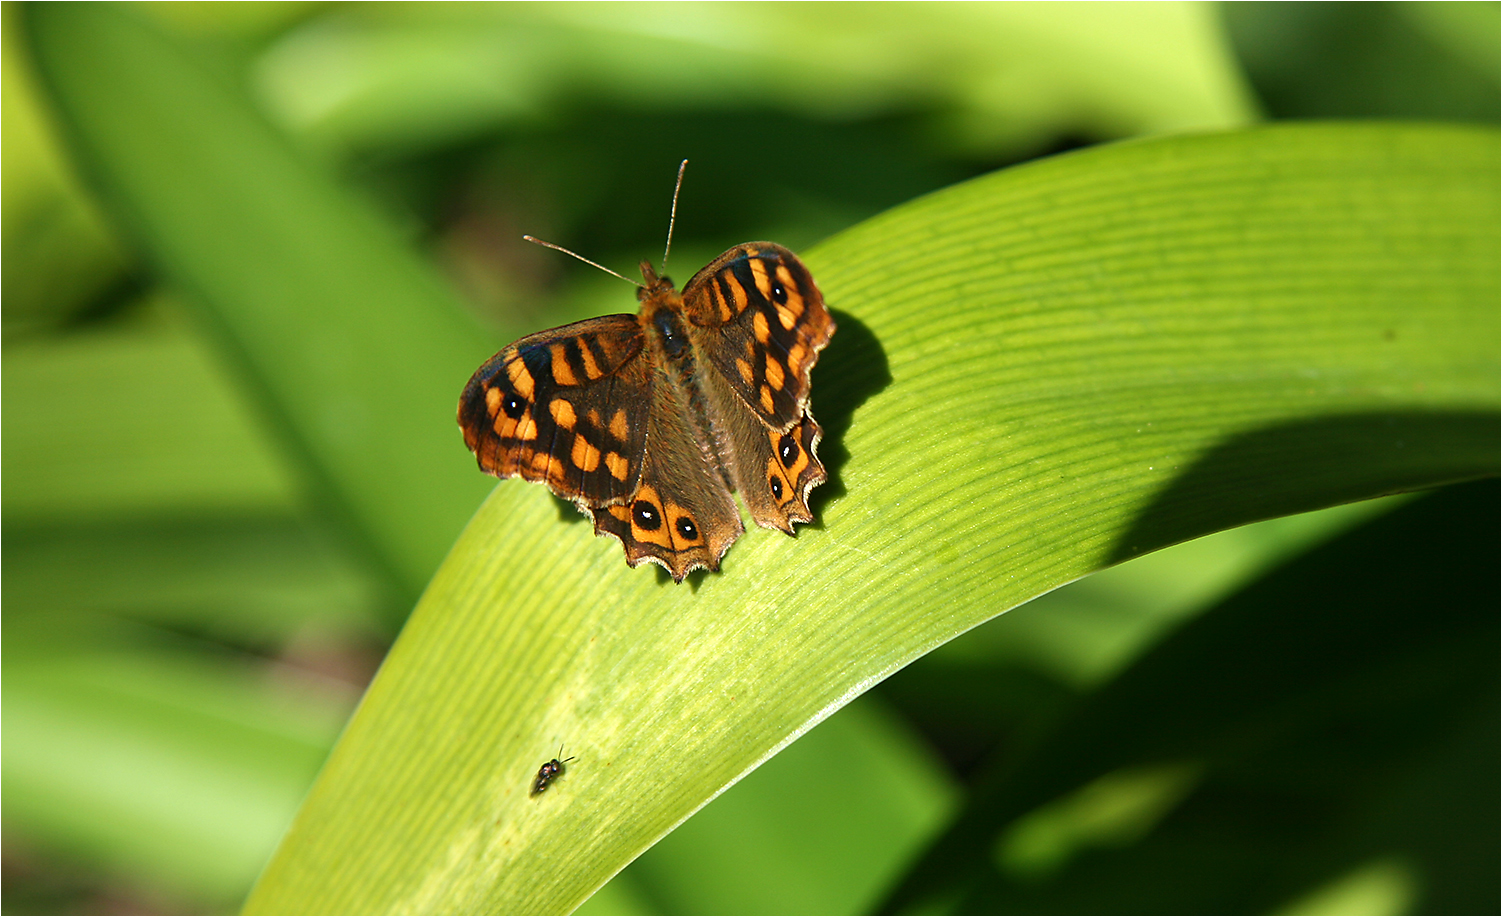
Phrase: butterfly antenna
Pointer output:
(559, 248)
(673, 213)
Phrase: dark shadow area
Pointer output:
(600, 179)
(568, 511)
(852, 368)
(1313, 464)
(1342, 710)
(1006, 706)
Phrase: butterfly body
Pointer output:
(649, 422)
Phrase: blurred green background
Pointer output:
(191, 614)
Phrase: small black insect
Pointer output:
(551, 769)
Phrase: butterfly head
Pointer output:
(652, 284)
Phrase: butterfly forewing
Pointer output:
(760, 321)
(567, 407)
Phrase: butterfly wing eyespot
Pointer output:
(776, 471)
(794, 459)
(681, 519)
(564, 407)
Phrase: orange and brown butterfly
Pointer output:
(649, 422)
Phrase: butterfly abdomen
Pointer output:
(685, 395)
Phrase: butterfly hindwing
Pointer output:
(682, 514)
(567, 407)
(758, 318)
(774, 470)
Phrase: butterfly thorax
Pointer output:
(662, 312)
(669, 328)
(666, 332)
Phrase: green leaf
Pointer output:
(52, 236)
(182, 440)
(1037, 374)
(352, 342)
(174, 766)
(820, 829)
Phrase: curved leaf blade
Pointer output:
(1029, 365)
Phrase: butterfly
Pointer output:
(649, 422)
(550, 770)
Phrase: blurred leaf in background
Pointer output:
(193, 606)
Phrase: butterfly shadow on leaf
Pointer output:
(851, 370)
